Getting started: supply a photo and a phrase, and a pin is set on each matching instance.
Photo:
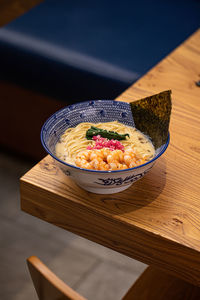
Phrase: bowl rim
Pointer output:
(96, 171)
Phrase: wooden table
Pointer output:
(157, 220)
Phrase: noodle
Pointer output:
(73, 141)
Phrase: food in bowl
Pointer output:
(104, 146)
(150, 116)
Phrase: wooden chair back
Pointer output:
(153, 284)
(48, 286)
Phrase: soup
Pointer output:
(104, 146)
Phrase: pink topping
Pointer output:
(105, 143)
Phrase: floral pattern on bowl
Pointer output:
(101, 182)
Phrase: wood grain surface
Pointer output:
(157, 220)
(47, 285)
(156, 285)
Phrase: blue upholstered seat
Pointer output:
(76, 50)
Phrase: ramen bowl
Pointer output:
(100, 182)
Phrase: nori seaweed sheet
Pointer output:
(152, 116)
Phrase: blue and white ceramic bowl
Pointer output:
(100, 182)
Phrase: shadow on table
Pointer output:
(140, 194)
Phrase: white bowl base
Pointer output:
(104, 190)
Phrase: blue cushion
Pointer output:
(75, 50)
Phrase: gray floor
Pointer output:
(94, 271)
